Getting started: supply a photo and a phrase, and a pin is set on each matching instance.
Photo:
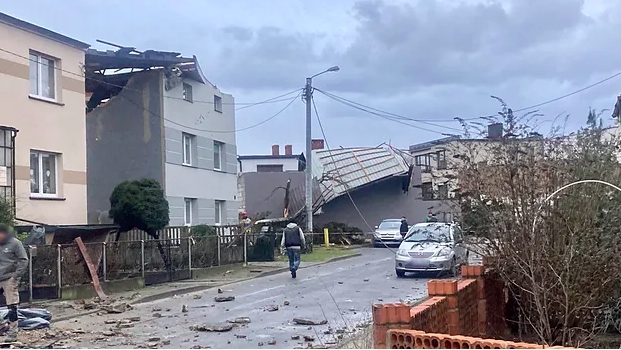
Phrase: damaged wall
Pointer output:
(382, 200)
(124, 141)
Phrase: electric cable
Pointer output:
(244, 104)
(396, 116)
(371, 229)
(213, 131)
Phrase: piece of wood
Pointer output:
(91, 268)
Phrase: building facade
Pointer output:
(42, 94)
(171, 125)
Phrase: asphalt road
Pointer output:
(340, 293)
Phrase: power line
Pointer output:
(371, 229)
(245, 104)
(520, 109)
(396, 116)
(214, 131)
(384, 116)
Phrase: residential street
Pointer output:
(340, 293)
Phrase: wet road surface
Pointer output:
(340, 293)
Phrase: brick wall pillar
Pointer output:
(388, 316)
(448, 289)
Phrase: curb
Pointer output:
(194, 289)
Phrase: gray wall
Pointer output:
(200, 181)
(258, 188)
(381, 200)
(124, 141)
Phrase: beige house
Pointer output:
(42, 96)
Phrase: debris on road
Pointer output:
(224, 299)
(240, 336)
(260, 344)
(308, 322)
(271, 342)
(197, 296)
(240, 320)
(256, 271)
(271, 308)
(116, 308)
(157, 315)
(286, 303)
(295, 337)
(340, 282)
(366, 280)
(309, 338)
(184, 308)
(156, 309)
(211, 328)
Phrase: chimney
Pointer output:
(275, 150)
(317, 144)
(494, 131)
(288, 150)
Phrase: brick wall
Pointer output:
(458, 314)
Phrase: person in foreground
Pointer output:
(13, 265)
(293, 240)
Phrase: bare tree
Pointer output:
(561, 258)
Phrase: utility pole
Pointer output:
(308, 96)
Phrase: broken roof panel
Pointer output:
(345, 169)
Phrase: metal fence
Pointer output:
(52, 267)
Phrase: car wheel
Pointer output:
(400, 273)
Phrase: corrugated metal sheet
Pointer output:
(345, 169)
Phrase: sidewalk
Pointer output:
(217, 276)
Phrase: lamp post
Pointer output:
(308, 95)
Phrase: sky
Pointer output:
(429, 60)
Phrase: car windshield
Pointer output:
(429, 233)
(390, 225)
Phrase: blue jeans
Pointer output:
(294, 258)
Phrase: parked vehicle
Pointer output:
(387, 233)
(431, 247)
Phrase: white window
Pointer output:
(42, 76)
(43, 174)
(217, 103)
(187, 148)
(219, 211)
(187, 92)
(188, 208)
(217, 155)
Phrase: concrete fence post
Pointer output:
(219, 253)
(190, 256)
(104, 261)
(30, 278)
(142, 257)
(59, 267)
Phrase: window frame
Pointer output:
(441, 194)
(217, 103)
(40, 193)
(187, 139)
(186, 92)
(218, 208)
(427, 188)
(270, 168)
(442, 165)
(39, 56)
(187, 201)
(220, 147)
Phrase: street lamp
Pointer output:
(308, 95)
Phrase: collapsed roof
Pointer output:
(101, 84)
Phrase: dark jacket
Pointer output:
(293, 237)
(404, 226)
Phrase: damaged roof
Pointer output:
(346, 169)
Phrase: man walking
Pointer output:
(13, 265)
(293, 240)
(404, 227)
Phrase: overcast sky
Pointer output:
(426, 59)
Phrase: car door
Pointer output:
(459, 247)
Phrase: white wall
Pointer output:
(250, 165)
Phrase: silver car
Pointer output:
(387, 233)
(431, 247)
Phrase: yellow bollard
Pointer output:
(326, 237)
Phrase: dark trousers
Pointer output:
(294, 258)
